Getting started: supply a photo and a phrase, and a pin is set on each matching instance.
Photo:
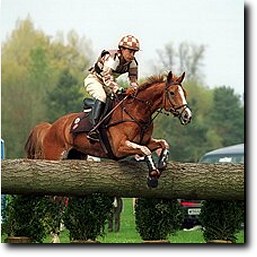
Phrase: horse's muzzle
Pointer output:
(186, 116)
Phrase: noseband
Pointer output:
(176, 111)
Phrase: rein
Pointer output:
(110, 113)
(144, 125)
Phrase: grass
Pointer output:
(129, 235)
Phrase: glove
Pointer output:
(131, 91)
(120, 91)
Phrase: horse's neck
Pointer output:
(147, 101)
(153, 96)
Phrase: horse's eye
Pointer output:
(172, 93)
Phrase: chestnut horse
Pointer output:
(129, 129)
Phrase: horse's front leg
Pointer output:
(154, 173)
(133, 148)
(162, 149)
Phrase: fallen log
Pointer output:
(123, 178)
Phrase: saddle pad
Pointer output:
(82, 123)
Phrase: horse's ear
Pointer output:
(169, 77)
(181, 78)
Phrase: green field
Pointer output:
(128, 233)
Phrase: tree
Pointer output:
(16, 93)
(31, 67)
(65, 97)
(39, 80)
(190, 57)
(227, 117)
(187, 58)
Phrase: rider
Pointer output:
(101, 80)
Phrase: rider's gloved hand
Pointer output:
(131, 91)
(120, 91)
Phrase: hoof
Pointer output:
(155, 173)
(152, 182)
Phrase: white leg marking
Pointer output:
(150, 160)
(145, 150)
(162, 142)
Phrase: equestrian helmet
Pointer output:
(129, 42)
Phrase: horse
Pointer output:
(128, 131)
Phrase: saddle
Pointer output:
(83, 123)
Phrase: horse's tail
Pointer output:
(34, 143)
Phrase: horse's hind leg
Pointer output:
(54, 151)
(55, 154)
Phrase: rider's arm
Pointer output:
(110, 64)
(133, 74)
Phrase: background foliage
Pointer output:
(86, 217)
(157, 219)
(221, 219)
(26, 216)
(42, 79)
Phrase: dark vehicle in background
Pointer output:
(191, 209)
(229, 154)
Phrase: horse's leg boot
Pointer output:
(163, 159)
(154, 173)
(97, 111)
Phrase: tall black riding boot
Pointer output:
(97, 111)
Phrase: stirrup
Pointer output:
(93, 135)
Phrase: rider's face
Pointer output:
(128, 54)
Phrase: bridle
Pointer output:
(176, 111)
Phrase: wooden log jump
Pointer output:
(123, 178)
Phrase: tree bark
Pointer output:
(122, 178)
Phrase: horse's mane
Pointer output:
(155, 79)
(152, 80)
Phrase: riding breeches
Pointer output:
(94, 88)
